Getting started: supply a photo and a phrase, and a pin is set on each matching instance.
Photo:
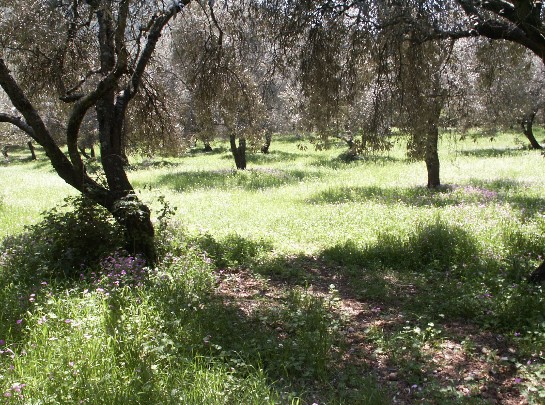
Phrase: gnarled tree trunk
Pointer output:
(239, 152)
(527, 129)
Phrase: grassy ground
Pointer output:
(305, 279)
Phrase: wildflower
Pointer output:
(68, 321)
(7, 394)
(19, 321)
(2, 342)
(518, 380)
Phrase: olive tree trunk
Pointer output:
(527, 129)
(239, 152)
(207, 147)
(267, 144)
(31, 149)
(431, 145)
(432, 156)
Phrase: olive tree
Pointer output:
(510, 87)
(89, 54)
(223, 65)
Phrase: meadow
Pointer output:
(307, 279)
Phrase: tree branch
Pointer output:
(154, 34)
(18, 122)
(34, 126)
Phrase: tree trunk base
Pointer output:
(527, 129)
(267, 145)
(135, 217)
(538, 275)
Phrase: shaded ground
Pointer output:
(451, 362)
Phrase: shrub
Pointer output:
(70, 238)
(233, 250)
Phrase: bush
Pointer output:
(233, 250)
(433, 245)
(70, 238)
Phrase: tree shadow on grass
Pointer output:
(147, 164)
(271, 319)
(245, 325)
(436, 249)
(401, 285)
(347, 161)
(493, 152)
(476, 192)
(253, 179)
(498, 185)
(39, 164)
(511, 191)
(416, 196)
(274, 156)
(217, 150)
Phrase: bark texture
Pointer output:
(432, 156)
(239, 152)
(527, 128)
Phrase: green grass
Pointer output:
(303, 279)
